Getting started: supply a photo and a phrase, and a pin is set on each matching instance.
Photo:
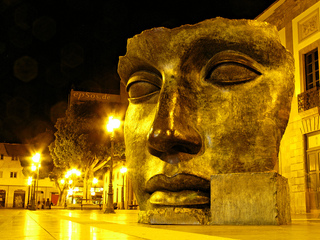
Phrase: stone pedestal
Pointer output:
(250, 199)
(175, 215)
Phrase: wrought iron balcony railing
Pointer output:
(308, 99)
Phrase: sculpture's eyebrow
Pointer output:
(264, 51)
(230, 56)
(129, 65)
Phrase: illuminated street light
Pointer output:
(111, 126)
(29, 181)
(123, 169)
(73, 171)
(33, 167)
(36, 158)
(94, 180)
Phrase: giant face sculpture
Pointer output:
(208, 98)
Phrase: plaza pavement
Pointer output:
(95, 225)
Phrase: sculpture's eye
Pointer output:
(231, 67)
(143, 84)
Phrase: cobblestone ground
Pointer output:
(95, 225)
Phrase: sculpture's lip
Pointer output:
(177, 183)
(182, 198)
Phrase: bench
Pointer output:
(87, 204)
(133, 206)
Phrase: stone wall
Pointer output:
(292, 162)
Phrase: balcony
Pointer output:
(308, 99)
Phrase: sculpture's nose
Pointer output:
(172, 131)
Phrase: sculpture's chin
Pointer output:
(181, 198)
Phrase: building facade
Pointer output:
(299, 159)
(15, 190)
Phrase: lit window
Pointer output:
(312, 69)
(13, 174)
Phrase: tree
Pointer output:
(81, 141)
(57, 174)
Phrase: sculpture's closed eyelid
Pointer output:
(230, 67)
(144, 76)
(143, 84)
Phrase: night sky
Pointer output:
(48, 47)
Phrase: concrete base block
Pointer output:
(175, 215)
(250, 199)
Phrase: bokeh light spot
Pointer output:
(44, 28)
(25, 68)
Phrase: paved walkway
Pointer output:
(93, 224)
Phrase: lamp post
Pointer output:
(123, 170)
(112, 124)
(29, 189)
(33, 190)
(35, 166)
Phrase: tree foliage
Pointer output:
(82, 142)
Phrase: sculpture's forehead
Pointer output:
(218, 29)
(160, 46)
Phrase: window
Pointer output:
(312, 69)
(1, 157)
(1, 174)
(14, 158)
(13, 174)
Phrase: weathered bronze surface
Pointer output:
(205, 99)
(250, 199)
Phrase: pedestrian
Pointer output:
(48, 204)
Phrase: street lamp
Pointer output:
(111, 125)
(123, 170)
(95, 180)
(35, 166)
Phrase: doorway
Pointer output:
(2, 198)
(18, 199)
(313, 171)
